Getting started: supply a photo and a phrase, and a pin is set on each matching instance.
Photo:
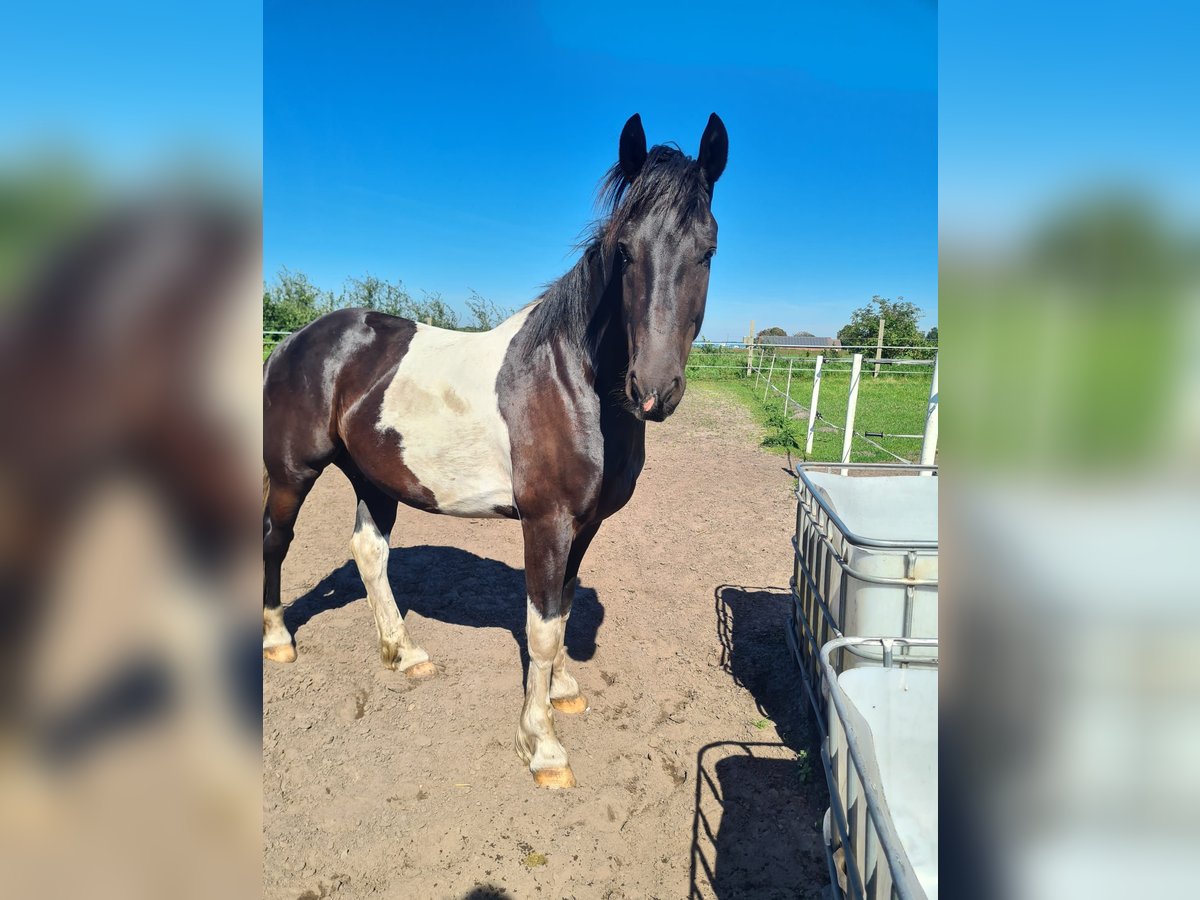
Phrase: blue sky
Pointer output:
(457, 146)
(454, 150)
(1092, 96)
(130, 88)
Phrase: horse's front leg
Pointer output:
(565, 695)
(547, 545)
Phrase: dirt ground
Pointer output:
(697, 766)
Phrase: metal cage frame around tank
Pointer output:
(820, 544)
(860, 814)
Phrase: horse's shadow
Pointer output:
(453, 586)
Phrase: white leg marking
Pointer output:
(277, 642)
(537, 743)
(370, 550)
(275, 633)
(562, 683)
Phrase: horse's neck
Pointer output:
(603, 355)
(610, 359)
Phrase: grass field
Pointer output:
(890, 404)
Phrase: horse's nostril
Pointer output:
(673, 391)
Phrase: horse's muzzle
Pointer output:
(654, 405)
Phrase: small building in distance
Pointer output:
(799, 342)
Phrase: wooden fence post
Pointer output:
(878, 347)
(812, 406)
(851, 407)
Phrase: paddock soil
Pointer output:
(697, 766)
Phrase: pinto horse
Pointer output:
(542, 419)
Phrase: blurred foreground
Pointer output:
(130, 424)
(1070, 296)
(1071, 711)
(130, 233)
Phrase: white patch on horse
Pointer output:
(442, 402)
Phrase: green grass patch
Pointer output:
(716, 364)
(892, 404)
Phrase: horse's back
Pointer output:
(414, 408)
(316, 374)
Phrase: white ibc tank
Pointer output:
(901, 509)
(898, 733)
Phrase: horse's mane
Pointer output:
(669, 179)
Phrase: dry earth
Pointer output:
(697, 769)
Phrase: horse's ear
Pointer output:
(714, 149)
(633, 147)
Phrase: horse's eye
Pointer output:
(712, 251)
(626, 259)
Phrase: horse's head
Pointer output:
(660, 241)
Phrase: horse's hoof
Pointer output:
(570, 705)
(421, 670)
(555, 778)
(280, 653)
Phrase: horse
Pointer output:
(542, 419)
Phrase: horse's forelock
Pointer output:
(670, 180)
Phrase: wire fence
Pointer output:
(891, 410)
(732, 360)
(273, 338)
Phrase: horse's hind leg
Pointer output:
(372, 527)
(564, 689)
(281, 505)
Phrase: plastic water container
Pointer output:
(882, 763)
(885, 531)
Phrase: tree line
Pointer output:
(291, 301)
